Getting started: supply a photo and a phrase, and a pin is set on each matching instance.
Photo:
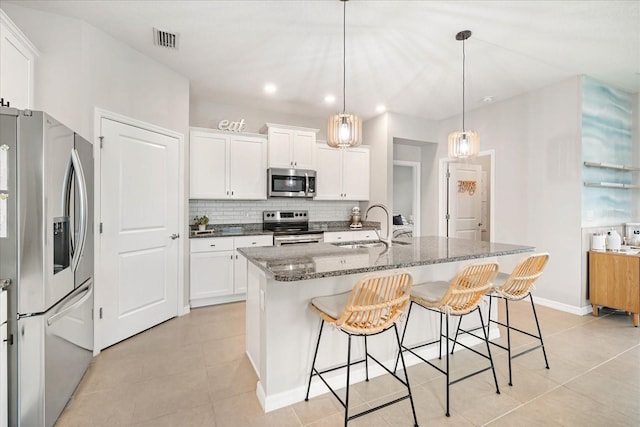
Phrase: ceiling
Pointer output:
(402, 54)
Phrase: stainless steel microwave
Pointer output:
(291, 182)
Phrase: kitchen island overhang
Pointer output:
(281, 330)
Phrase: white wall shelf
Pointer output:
(612, 166)
(611, 185)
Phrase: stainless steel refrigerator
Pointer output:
(46, 253)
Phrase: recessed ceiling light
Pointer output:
(270, 88)
(330, 99)
(381, 108)
(487, 98)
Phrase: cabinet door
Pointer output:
(248, 168)
(355, 174)
(17, 59)
(280, 141)
(211, 274)
(241, 263)
(208, 160)
(304, 143)
(329, 173)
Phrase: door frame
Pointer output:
(415, 166)
(100, 114)
(442, 192)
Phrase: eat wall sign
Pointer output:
(231, 126)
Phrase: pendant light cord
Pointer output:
(463, 60)
(344, 57)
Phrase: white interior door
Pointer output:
(139, 215)
(464, 201)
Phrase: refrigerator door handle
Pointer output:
(75, 166)
(62, 311)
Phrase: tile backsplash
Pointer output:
(250, 211)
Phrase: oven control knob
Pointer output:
(305, 214)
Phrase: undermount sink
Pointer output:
(352, 245)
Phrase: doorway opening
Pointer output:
(450, 210)
(406, 198)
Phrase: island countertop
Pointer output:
(317, 260)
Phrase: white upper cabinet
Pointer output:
(17, 65)
(342, 174)
(227, 166)
(291, 147)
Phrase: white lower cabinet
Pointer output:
(349, 236)
(218, 272)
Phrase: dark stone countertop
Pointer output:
(317, 260)
(253, 229)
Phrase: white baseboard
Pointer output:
(338, 379)
(203, 302)
(580, 311)
(185, 310)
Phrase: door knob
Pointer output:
(174, 236)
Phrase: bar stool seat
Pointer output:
(373, 306)
(430, 292)
(458, 297)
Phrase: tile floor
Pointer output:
(192, 371)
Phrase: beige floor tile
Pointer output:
(565, 407)
(245, 410)
(200, 416)
(321, 406)
(223, 350)
(192, 370)
(623, 396)
(231, 379)
(99, 409)
(166, 395)
(113, 374)
(337, 420)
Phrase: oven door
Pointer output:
(291, 183)
(296, 239)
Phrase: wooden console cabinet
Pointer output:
(614, 281)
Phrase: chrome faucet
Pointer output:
(386, 211)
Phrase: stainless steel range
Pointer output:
(290, 227)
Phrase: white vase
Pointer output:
(202, 227)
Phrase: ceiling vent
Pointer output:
(165, 39)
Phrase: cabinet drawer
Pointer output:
(348, 236)
(254, 241)
(213, 244)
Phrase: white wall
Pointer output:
(81, 68)
(207, 114)
(403, 190)
(538, 167)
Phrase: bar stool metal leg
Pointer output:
(486, 341)
(447, 356)
(506, 302)
(313, 364)
(366, 359)
(346, 401)
(406, 375)
(535, 315)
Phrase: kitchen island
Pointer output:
(281, 330)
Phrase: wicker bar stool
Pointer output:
(514, 287)
(373, 306)
(459, 297)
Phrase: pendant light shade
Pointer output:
(344, 129)
(464, 143)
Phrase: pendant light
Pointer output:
(465, 143)
(344, 129)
